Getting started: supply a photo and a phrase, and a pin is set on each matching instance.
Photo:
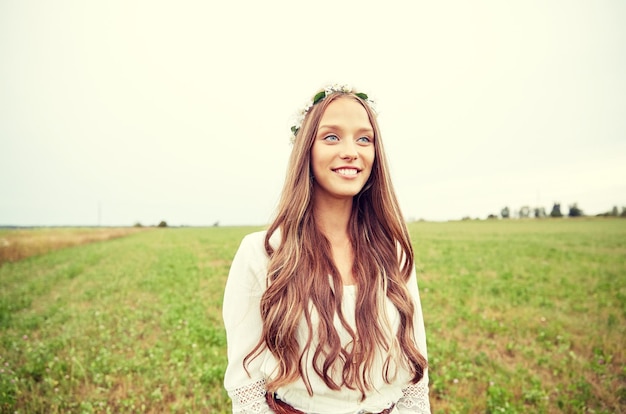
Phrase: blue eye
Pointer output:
(331, 138)
(364, 140)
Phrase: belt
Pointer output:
(385, 411)
(281, 407)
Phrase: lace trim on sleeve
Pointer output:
(250, 399)
(415, 398)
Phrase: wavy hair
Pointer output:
(305, 287)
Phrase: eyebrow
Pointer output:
(364, 129)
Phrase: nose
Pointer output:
(349, 150)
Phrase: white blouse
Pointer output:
(242, 319)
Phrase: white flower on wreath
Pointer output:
(345, 88)
(298, 119)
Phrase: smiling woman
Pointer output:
(343, 152)
(322, 310)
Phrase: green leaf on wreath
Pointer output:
(320, 95)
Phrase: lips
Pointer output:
(347, 171)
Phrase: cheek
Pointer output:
(314, 158)
(371, 158)
(316, 161)
(319, 157)
(372, 164)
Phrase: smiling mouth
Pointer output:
(347, 171)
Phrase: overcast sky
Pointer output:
(117, 112)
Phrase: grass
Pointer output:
(525, 316)
(522, 316)
(19, 244)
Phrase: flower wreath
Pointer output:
(328, 90)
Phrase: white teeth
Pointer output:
(346, 171)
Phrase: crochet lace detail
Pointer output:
(415, 398)
(251, 398)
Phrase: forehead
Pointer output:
(345, 110)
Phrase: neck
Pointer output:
(333, 216)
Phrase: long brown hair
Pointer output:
(299, 289)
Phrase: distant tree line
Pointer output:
(161, 224)
(540, 212)
(613, 213)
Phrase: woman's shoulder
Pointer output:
(254, 243)
(250, 261)
(257, 239)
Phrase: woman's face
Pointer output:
(343, 151)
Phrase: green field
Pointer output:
(521, 316)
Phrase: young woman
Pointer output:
(322, 310)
